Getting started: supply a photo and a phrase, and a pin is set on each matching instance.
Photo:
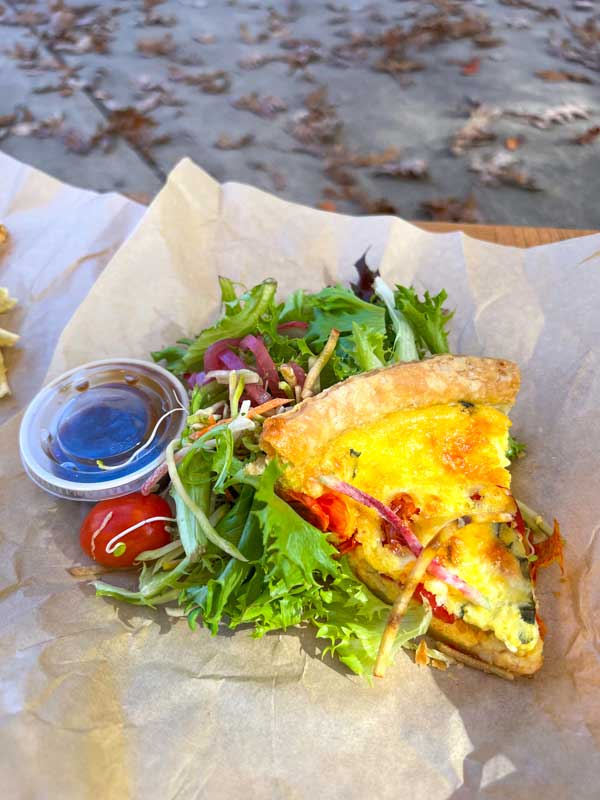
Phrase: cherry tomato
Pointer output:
(111, 517)
(438, 611)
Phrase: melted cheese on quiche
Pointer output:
(491, 558)
(451, 460)
(441, 455)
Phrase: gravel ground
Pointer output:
(358, 105)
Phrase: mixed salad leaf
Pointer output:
(240, 554)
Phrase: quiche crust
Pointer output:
(302, 432)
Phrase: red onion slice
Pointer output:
(441, 573)
(384, 511)
(435, 568)
(229, 360)
(195, 379)
(256, 394)
(265, 364)
(212, 355)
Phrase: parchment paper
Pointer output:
(109, 701)
(61, 238)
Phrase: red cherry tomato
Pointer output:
(111, 517)
(438, 611)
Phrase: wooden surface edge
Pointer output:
(515, 236)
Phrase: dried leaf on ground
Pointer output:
(225, 142)
(337, 173)
(397, 66)
(319, 124)
(77, 142)
(258, 60)
(25, 19)
(588, 136)
(152, 16)
(555, 115)
(471, 67)
(353, 51)
(129, 123)
(411, 168)
(514, 142)
(448, 23)
(476, 131)
(20, 52)
(266, 106)
(23, 123)
(61, 23)
(545, 11)
(556, 76)
(485, 42)
(584, 46)
(215, 82)
(452, 209)
(371, 205)
(340, 155)
(205, 38)
(156, 94)
(6, 120)
(360, 198)
(327, 205)
(252, 38)
(503, 168)
(143, 198)
(588, 33)
(156, 46)
(163, 20)
(302, 52)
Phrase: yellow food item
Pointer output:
(444, 462)
(7, 338)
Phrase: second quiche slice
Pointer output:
(388, 459)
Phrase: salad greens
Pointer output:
(240, 554)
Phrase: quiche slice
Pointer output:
(396, 459)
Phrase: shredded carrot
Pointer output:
(548, 551)
(276, 402)
(268, 406)
(421, 657)
(197, 434)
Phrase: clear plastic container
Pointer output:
(100, 430)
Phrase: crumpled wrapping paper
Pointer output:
(61, 238)
(105, 700)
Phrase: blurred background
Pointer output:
(481, 111)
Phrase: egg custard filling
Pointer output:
(440, 468)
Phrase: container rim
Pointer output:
(78, 490)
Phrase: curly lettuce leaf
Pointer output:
(355, 620)
(516, 449)
(369, 347)
(427, 318)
